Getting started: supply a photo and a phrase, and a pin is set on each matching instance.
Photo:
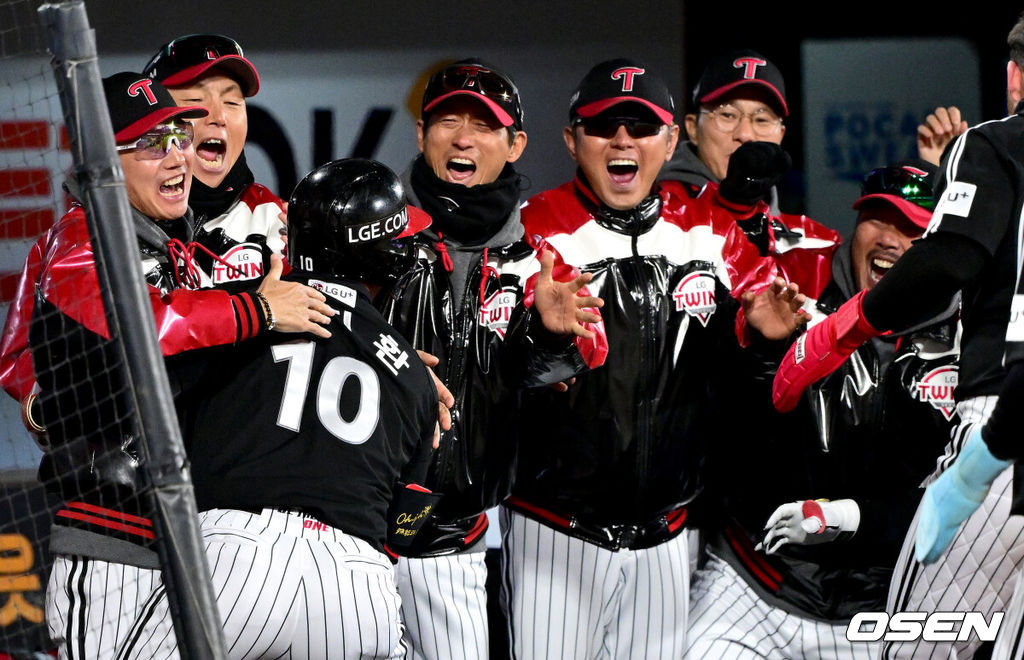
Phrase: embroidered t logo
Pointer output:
(627, 74)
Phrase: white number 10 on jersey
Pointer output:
(336, 372)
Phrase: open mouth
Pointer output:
(211, 153)
(880, 266)
(173, 187)
(460, 169)
(622, 171)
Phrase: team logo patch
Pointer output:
(695, 295)
(496, 311)
(240, 263)
(937, 387)
(957, 199)
(344, 294)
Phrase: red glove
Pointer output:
(819, 351)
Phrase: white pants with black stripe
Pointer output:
(979, 570)
(444, 605)
(566, 598)
(288, 586)
(95, 608)
(730, 621)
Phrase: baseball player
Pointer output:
(970, 246)
(102, 538)
(786, 571)
(740, 97)
(300, 448)
(472, 272)
(235, 215)
(595, 562)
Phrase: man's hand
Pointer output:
(296, 307)
(954, 496)
(445, 400)
(937, 131)
(808, 523)
(561, 308)
(777, 311)
(820, 351)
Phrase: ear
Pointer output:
(673, 140)
(1014, 84)
(419, 134)
(518, 145)
(690, 122)
(569, 135)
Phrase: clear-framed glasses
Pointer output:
(156, 143)
(726, 118)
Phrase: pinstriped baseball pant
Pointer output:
(94, 607)
(566, 598)
(288, 586)
(979, 570)
(730, 621)
(444, 605)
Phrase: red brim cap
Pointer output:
(242, 69)
(138, 128)
(597, 107)
(418, 221)
(916, 214)
(503, 117)
(721, 91)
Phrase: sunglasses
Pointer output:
(901, 182)
(607, 127)
(156, 143)
(193, 49)
(487, 82)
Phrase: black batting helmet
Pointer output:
(349, 218)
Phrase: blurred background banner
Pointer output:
(863, 100)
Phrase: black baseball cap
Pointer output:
(621, 81)
(908, 185)
(138, 103)
(736, 69)
(181, 61)
(480, 80)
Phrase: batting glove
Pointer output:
(810, 522)
(954, 496)
(820, 351)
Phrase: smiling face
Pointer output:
(621, 169)
(463, 142)
(882, 235)
(220, 136)
(159, 187)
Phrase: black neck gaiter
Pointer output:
(207, 203)
(469, 216)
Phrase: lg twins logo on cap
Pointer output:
(496, 311)
(142, 87)
(749, 66)
(695, 295)
(627, 74)
(937, 387)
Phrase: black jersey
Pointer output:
(327, 426)
(981, 186)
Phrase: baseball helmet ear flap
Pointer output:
(349, 218)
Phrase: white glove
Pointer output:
(810, 522)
